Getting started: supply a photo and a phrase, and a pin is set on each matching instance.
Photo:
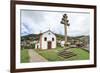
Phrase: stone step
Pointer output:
(66, 54)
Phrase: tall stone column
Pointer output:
(65, 22)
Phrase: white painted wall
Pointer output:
(49, 38)
(37, 45)
(62, 43)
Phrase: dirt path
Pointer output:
(35, 57)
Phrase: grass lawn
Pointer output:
(52, 54)
(24, 56)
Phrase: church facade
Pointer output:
(47, 40)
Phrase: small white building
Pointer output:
(47, 40)
(63, 42)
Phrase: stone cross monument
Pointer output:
(65, 22)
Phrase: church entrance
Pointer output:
(49, 45)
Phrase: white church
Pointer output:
(47, 40)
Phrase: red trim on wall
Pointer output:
(40, 40)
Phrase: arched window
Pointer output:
(52, 39)
(45, 38)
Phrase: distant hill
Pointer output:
(59, 37)
(30, 37)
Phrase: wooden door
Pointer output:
(49, 45)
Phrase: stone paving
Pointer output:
(35, 57)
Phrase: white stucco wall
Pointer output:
(37, 44)
(62, 43)
(49, 38)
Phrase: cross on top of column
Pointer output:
(65, 22)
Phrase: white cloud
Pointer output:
(79, 24)
(36, 21)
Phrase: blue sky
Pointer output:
(34, 22)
